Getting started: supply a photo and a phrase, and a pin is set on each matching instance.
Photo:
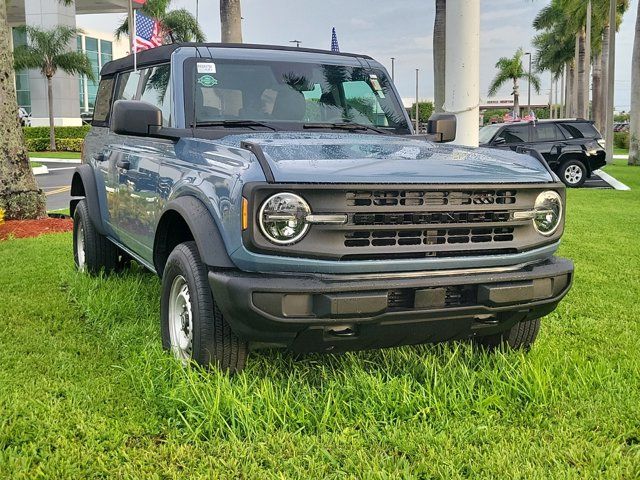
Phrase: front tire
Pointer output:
(519, 337)
(193, 327)
(92, 251)
(573, 173)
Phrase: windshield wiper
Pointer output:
(344, 126)
(235, 123)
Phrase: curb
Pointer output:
(55, 160)
(41, 170)
(617, 184)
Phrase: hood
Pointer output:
(358, 158)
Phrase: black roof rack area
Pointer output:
(163, 54)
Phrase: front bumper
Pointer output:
(338, 313)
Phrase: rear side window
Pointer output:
(516, 134)
(580, 130)
(546, 132)
(127, 86)
(103, 101)
(156, 90)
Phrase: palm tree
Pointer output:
(177, 25)
(19, 193)
(231, 21)
(511, 69)
(634, 131)
(439, 53)
(48, 51)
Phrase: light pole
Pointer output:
(393, 69)
(529, 86)
(417, 100)
(297, 42)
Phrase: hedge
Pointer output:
(60, 132)
(621, 140)
(62, 144)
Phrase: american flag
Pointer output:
(334, 41)
(147, 32)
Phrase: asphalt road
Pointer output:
(56, 184)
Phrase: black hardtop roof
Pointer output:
(163, 54)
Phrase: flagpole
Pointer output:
(132, 35)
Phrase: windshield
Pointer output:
(488, 131)
(292, 92)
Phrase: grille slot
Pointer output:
(429, 218)
(452, 236)
(417, 198)
(455, 296)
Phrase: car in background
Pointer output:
(24, 117)
(621, 127)
(572, 148)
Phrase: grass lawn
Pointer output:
(61, 155)
(86, 391)
(35, 164)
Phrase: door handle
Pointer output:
(99, 157)
(124, 164)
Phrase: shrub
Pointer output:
(1, 216)
(621, 140)
(60, 132)
(62, 144)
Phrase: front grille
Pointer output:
(417, 198)
(396, 222)
(391, 238)
(429, 218)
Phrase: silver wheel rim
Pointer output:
(573, 174)
(80, 253)
(180, 319)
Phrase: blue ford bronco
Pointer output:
(285, 201)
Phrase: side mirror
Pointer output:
(442, 126)
(135, 117)
(498, 141)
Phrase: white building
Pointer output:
(71, 94)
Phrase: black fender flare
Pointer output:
(203, 228)
(83, 184)
(574, 154)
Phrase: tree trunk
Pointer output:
(581, 103)
(611, 78)
(587, 59)
(516, 98)
(596, 103)
(52, 130)
(19, 195)
(439, 54)
(604, 79)
(231, 21)
(634, 131)
(571, 111)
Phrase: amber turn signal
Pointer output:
(245, 213)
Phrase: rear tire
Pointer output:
(573, 173)
(519, 337)
(92, 251)
(193, 327)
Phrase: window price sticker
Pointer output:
(207, 67)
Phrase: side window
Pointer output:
(127, 86)
(546, 132)
(156, 90)
(103, 101)
(362, 104)
(516, 134)
(586, 129)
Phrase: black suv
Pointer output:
(572, 148)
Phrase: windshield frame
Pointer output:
(189, 71)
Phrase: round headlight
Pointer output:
(548, 210)
(282, 218)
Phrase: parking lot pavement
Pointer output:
(57, 184)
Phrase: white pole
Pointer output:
(462, 68)
(609, 102)
(132, 35)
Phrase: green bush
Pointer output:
(621, 140)
(425, 110)
(62, 144)
(60, 132)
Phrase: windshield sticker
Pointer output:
(207, 81)
(375, 84)
(207, 67)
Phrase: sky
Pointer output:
(383, 29)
